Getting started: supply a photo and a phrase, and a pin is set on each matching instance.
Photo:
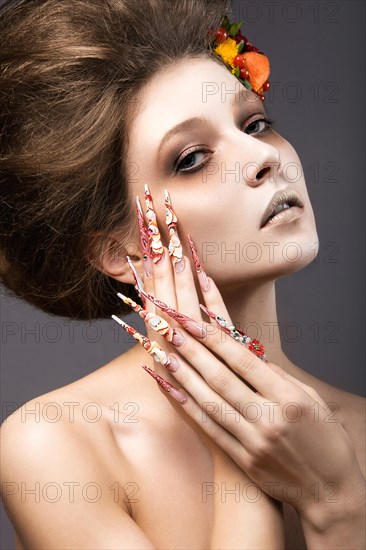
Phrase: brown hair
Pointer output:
(69, 71)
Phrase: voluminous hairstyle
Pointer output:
(69, 73)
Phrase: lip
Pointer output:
(281, 197)
(285, 216)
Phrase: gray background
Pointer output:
(317, 98)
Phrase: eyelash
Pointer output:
(190, 152)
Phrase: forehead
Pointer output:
(192, 87)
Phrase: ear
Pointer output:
(110, 258)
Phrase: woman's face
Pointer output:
(221, 170)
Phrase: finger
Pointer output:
(212, 404)
(210, 292)
(217, 375)
(214, 430)
(185, 288)
(148, 282)
(218, 434)
(162, 269)
(164, 286)
(248, 365)
(235, 354)
(308, 389)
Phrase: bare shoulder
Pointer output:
(58, 480)
(354, 407)
(71, 421)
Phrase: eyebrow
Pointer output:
(193, 123)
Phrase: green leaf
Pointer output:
(247, 84)
(236, 71)
(225, 23)
(234, 27)
(241, 46)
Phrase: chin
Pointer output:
(296, 254)
(292, 255)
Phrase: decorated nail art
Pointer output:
(139, 284)
(151, 346)
(156, 246)
(167, 386)
(192, 326)
(253, 345)
(174, 247)
(144, 240)
(201, 273)
(157, 323)
(136, 276)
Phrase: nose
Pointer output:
(264, 164)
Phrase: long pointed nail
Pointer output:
(195, 328)
(136, 276)
(150, 346)
(157, 323)
(144, 240)
(167, 386)
(201, 273)
(175, 246)
(156, 246)
(139, 284)
(253, 345)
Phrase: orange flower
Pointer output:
(258, 67)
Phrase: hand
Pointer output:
(276, 428)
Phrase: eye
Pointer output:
(192, 160)
(259, 126)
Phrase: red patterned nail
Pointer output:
(191, 325)
(167, 386)
(156, 246)
(150, 346)
(175, 246)
(144, 240)
(253, 345)
(201, 274)
(156, 322)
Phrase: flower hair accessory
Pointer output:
(244, 60)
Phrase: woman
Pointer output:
(86, 109)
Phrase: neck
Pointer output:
(253, 310)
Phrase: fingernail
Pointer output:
(191, 325)
(175, 246)
(156, 322)
(150, 346)
(173, 364)
(156, 246)
(201, 273)
(136, 276)
(253, 345)
(178, 338)
(179, 266)
(167, 386)
(144, 240)
(139, 284)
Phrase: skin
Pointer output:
(170, 453)
(222, 210)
